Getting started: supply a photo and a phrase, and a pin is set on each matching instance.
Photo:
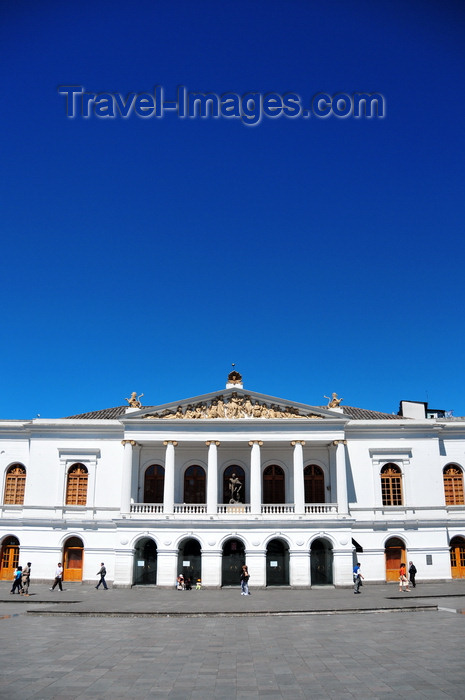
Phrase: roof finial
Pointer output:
(234, 379)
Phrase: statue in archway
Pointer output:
(235, 486)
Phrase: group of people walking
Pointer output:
(21, 579)
(403, 580)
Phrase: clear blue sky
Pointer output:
(147, 255)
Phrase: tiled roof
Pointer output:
(350, 411)
(105, 413)
(365, 414)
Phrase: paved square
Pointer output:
(354, 655)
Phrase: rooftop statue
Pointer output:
(134, 401)
(333, 402)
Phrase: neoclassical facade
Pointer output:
(201, 486)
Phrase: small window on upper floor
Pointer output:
(391, 485)
(15, 483)
(453, 485)
(76, 487)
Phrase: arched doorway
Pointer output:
(194, 485)
(321, 563)
(190, 560)
(232, 562)
(154, 482)
(395, 555)
(9, 558)
(457, 557)
(73, 552)
(145, 563)
(277, 563)
(273, 485)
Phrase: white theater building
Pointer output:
(202, 485)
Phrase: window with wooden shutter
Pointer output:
(76, 490)
(391, 485)
(15, 484)
(453, 485)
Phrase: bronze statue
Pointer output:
(235, 486)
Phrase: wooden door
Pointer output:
(395, 555)
(273, 485)
(73, 556)
(9, 559)
(194, 485)
(457, 557)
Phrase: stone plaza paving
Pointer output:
(277, 643)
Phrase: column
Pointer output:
(168, 490)
(255, 478)
(212, 477)
(341, 477)
(299, 487)
(299, 568)
(126, 482)
(211, 568)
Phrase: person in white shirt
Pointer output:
(58, 577)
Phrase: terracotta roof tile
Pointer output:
(119, 411)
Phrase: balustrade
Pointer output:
(146, 507)
(311, 508)
(276, 508)
(233, 509)
(190, 508)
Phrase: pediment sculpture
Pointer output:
(235, 407)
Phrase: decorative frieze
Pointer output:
(232, 408)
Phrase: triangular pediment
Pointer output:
(233, 404)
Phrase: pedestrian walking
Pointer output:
(102, 572)
(245, 581)
(403, 581)
(412, 570)
(26, 578)
(357, 577)
(58, 577)
(17, 580)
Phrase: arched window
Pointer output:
(453, 485)
(233, 485)
(154, 482)
(76, 488)
(314, 484)
(273, 485)
(194, 485)
(391, 485)
(15, 483)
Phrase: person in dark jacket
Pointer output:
(245, 581)
(412, 571)
(102, 572)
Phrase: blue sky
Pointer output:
(147, 255)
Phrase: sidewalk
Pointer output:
(85, 600)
